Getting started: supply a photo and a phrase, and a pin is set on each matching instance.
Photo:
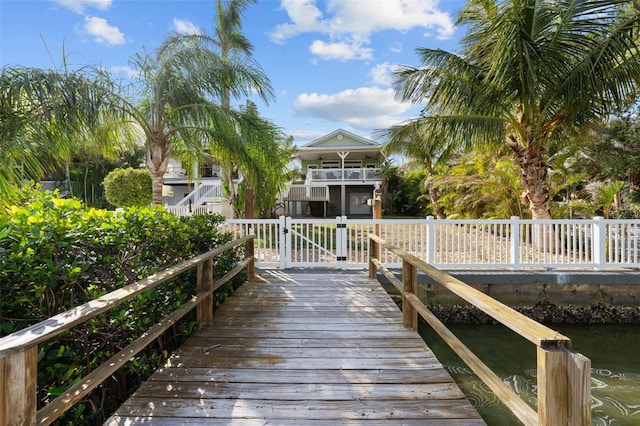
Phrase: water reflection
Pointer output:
(615, 373)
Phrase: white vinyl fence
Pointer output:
(189, 210)
(449, 244)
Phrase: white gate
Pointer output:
(313, 242)
(294, 243)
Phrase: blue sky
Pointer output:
(330, 62)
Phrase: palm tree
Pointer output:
(483, 184)
(272, 153)
(432, 154)
(529, 72)
(45, 114)
(181, 107)
(231, 45)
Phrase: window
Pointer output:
(330, 164)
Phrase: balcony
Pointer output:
(306, 193)
(328, 176)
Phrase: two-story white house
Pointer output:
(340, 171)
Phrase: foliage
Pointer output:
(270, 153)
(613, 151)
(531, 74)
(399, 193)
(45, 115)
(128, 187)
(83, 174)
(56, 254)
(266, 151)
(430, 153)
(481, 186)
(180, 109)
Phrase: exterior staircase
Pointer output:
(206, 192)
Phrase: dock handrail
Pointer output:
(564, 393)
(19, 350)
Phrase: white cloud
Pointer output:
(102, 32)
(361, 18)
(79, 6)
(382, 74)
(124, 69)
(342, 50)
(305, 17)
(300, 137)
(185, 27)
(365, 108)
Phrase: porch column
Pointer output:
(343, 199)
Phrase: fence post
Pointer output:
(342, 236)
(515, 242)
(18, 388)
(204, 311)
(409, 286)
(431, 240)
(599, 247)
(284, 244)
(374, 253)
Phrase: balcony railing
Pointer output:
(353, 175)
(306, 193)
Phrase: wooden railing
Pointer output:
(564, 391)
(19, 351)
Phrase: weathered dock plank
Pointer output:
(306, 349)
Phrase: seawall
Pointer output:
(546, 296)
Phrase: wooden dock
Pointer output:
(302, 348)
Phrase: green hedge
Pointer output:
(56, 254)
(128, 187)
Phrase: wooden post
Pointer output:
(18, 388)
(553, 398)
(409, 286)
(579, 389)
(377, 208)
(249, 253)
(374, 252)
(248, 203)
(204, 312)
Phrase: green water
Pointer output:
(614, 351)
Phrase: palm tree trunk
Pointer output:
(535, 177)
(157, 159)
(226, 172)
(433, 197)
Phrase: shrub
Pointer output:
(128, 187)
(56, 254)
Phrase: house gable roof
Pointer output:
(341, 139)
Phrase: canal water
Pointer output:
(614, 351)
